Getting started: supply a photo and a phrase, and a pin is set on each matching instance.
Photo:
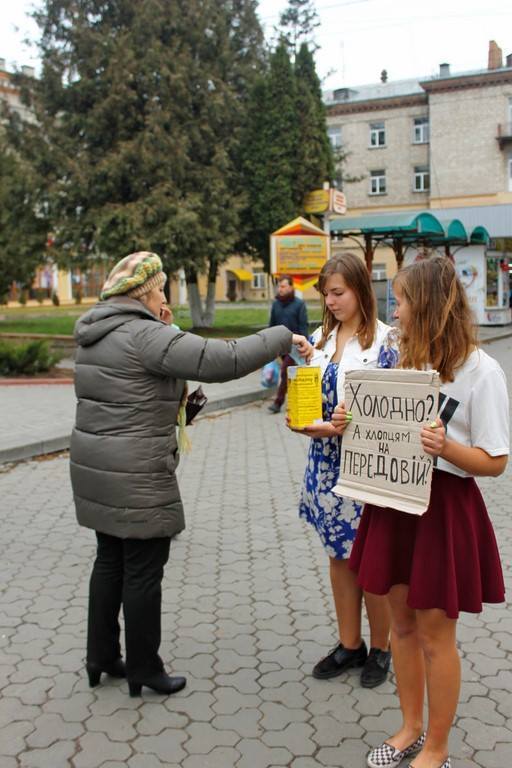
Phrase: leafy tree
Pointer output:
(138, 111)
(23, 227)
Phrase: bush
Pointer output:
(40, 294)
(28, 358)
(23, 297)
(55, 299)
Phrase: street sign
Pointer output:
(338, 202)
(325, 201)
(317, 201)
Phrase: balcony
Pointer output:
(504, 134)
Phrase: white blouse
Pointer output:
(353, 357)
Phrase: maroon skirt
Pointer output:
(448, 556)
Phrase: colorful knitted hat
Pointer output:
(134, 276)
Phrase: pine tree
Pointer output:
(298, 23)
(138, 111)
(315, 159)
(271, 146)
(23, 225)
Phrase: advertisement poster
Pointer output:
(296, 254)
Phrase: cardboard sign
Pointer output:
(382, 459)
(304, 395)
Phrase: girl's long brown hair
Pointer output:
(440, 330)
(354, 273)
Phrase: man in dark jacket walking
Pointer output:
(290, 311)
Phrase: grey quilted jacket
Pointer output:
(130, 375)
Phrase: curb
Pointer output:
(61, 442)
(33, 382)
(30, 451)
(498, 337)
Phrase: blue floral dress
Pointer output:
(335, 518)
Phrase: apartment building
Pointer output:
(440, 143)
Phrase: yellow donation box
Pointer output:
(304, 395)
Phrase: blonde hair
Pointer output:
(355, 275)
(440, 330)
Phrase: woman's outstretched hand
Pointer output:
(304, 348)
(341, 418)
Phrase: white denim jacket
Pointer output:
(353, 358)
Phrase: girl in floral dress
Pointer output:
(350, 338)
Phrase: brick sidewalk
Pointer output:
(247, 611)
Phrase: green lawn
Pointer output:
(229, 321)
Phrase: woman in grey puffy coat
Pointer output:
(131, 371)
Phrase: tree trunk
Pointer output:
(209, 313)
(202, 316)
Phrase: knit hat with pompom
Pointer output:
(134, 276)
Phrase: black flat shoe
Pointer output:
(339, 660)
(160, 683)
(116, 669)
(376, 668)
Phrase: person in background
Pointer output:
(445, 561)
(350, 338)
(290, 311)
(131, 373)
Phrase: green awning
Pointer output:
(389, 224)
(455, 231)
(479, 236)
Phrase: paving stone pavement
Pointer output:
(37, 419)
(246, 613)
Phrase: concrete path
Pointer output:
(247, 612)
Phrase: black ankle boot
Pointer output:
(159, 682)
(117, 668)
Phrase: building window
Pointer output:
(421, 131)
(379, 271)
(377, 135)
(421, 179)
(377, 182)
(258, 281)
(334, 134)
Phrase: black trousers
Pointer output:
(127, 572)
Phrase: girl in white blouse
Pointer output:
(445, 561)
